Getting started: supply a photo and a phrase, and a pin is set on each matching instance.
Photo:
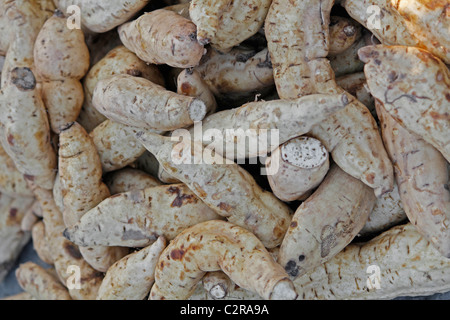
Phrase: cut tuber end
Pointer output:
(284, 290)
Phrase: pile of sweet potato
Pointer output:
(117, 162)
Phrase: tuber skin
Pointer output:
(174, 43)
(40, 283)
(128, 179)
(214, 246)
(225, 24)
(25, 130)
(141, 103)
(118, 60)
(80, 174)
(102, 18)
(132, 277)
(302, 163)
(351, 135)
(224, 186)
(326, 222)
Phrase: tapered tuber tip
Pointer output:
(284, 290)
(197, 110)
(366, 53)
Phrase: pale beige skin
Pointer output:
(190, 83)
(292, 118)
(25, 20)
(409, 266)
(12, 238)
(119, 60)
(343, 33)
(60, 52)
(80, 174)
(237, 76)
(351, 134)
(165, 177)
(214, 246)
(65, 253)
(40, 243)
(217, 284)
(429, 22)
(141, 103)
(422, 178)
(181, 8)
(347, 62)
(63, 100)
(4, 27)
(128, 179)
(356, 85)
(132, 277)
(392, 28)
(40, 283)
(102, 18)
(25, 132)
(82, 188)
(326, 222)
(225, 23)
(407, 23)
(12, 181)
(172, 40)
(100, 44)
(57, 194)
(300, 165)
(224, 186)
(387, 213)
(138, 217)
(116, 145)
(418, 98)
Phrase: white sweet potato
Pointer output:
(132, 277)
(12, 238)
(298, 43)
(326, 222)
(224, 24)
(40, 243)
(138, 217)
(343, 33)
(290, 119)
(299, 166)
(418, 98)
(214, 246)
(40, 283)
(128, 179)
(25, 130)
(65, 253)
(82, 189)
(25, 19)
(118, 60)
(141, 103)
(12, 181)
(116, 145)
(224, 186)
(100, 18)
(190, 83)
(387, 213)
(172, 39)
(399, 260)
